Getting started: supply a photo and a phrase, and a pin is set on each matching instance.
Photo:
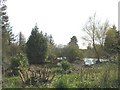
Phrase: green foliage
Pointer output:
(73, 53)
(21, 39)
(100, 50)
(103, 75)
(23, 62)
(7, 36)
(99, 76)
(118, 44)
(12, 82)
(111, 41)
(18, 62)
(51, 55)
(22, 43)
(14, 67)
(72, 81)
(73, 41)
(60, 51)
(61, 83)
(66, 81)
(65, 65)
(88, 51)
(36, 47)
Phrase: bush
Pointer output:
(65, 65)
(12, 82)
(61, 83)
(18, 62)
(14, 66)
(73, 53)
(66, 81)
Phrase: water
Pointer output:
(90, 61)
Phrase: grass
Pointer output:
(103, 75)
(12, 82)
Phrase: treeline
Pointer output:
(40, 47)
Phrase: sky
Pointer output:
(60, 18)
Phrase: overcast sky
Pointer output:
(61, 18)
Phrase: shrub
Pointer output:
(18, 62)
(61, 83)
(65, 65)
(12, 82)
(14, 65)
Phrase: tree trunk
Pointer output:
(98, 58)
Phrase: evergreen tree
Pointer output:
(73, 41)
(21, 39)
(21, 43)
(51, 55)
(7, 37)
(111, 41)
(36, 47)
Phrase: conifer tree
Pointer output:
(36, 47)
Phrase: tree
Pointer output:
(7, 36)
(21, 39)
(88, 51)
(96, 33)
(36, 47)
(59, 50)
(21, 43)
(72, 51)
(3, 25)
(118, 46)
(73, 41)
(111, 41)
(51, 55)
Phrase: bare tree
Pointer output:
(96, 33)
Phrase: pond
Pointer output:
(90, 61)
